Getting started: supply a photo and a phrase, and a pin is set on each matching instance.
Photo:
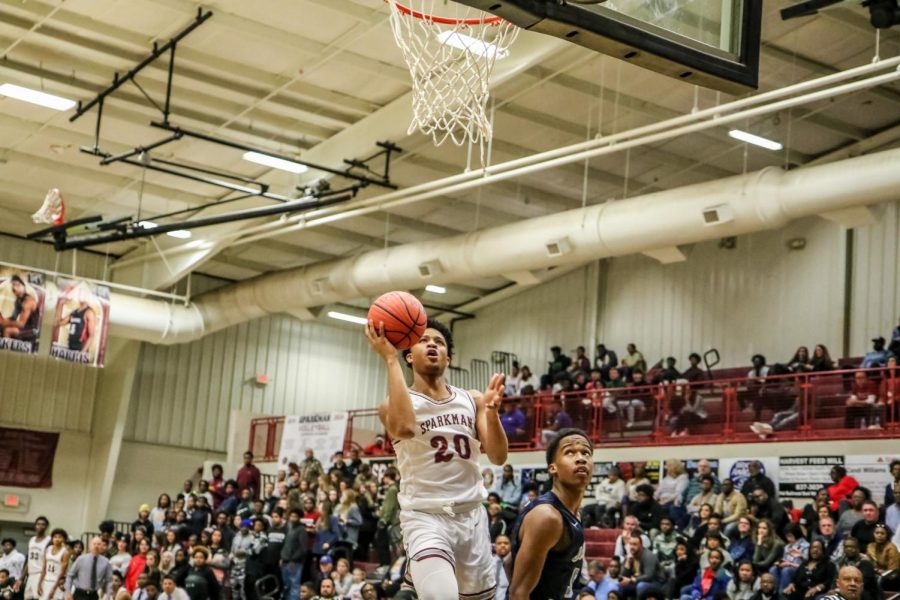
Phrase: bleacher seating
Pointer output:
(599, 544)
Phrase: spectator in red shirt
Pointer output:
(843, 486)
(861, 403)
(376, 448)
(217, 486)
(248, 477)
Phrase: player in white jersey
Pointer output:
(56, 561)
(36, 547)
(438, 433)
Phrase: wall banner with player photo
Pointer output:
(22, 295)
(81, 322)
(803, 476)
(322, 432)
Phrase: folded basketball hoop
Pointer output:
(53, 210)
(450, 59)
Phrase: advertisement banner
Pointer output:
(22, 296)
(26, 457)
(81, 322)
(803, 476)
(537, 474)
(738, 469)
(872, 471)
(322, 432)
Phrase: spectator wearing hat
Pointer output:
(241, 547)
(255, 567)
(878, 356)
(323, 570)
(376, 448)
(143, 520)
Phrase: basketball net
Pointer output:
(53, 210)
(451, 60)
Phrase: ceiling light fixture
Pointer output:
(345, 317)
(274, 162)
(461, 41)
(35, 97)
(436, 289)
(146, 224)
(181, 234)
(755, 140)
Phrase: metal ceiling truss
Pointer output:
(92, 230)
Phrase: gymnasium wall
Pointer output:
(527, 324)
(37, 391)
(183, 394)
(64, 503)
(146, 470)
(875, 306)
(758, 297)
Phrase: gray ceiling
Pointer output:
(287, 75)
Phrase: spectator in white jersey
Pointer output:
(12, 560)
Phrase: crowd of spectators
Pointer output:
(693, 537)
(321, 532)
(631, 392)
(301, 536)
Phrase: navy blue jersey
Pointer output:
(562, 567)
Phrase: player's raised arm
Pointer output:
(397, 412)
(487, 421)
(539, 533)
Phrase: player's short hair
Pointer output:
(553, 446)
(5, 571)
(8, 541)
(59, 531)
(44, 519)
(443, 330)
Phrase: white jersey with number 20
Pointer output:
(439, 465)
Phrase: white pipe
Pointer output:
(766, 199)
(712, 112)
(308, 222)
(758, 201)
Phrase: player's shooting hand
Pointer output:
(379, 342)
(493, 395)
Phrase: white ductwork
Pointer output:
(767, 199)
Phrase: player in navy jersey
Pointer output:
(548, 539)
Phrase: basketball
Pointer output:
(403, 317)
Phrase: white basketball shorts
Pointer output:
(463, 540)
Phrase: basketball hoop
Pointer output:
(450, 60)
(53, 210)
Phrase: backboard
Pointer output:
(711, 43)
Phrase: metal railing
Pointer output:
(796, 407)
